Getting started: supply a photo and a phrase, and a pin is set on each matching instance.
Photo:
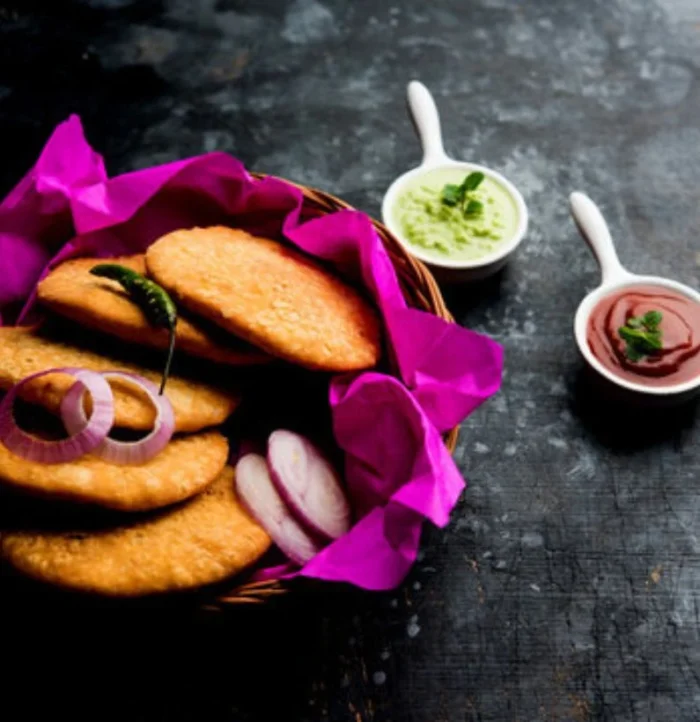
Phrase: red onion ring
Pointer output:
(80, 442)
(123, 452)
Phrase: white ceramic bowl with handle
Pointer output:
(616, 278)
(427, 121)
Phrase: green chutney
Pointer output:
(443, 231)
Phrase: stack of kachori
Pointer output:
(175, 521)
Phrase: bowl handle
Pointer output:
(594, 229)
(427, 121)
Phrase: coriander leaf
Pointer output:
(632, 354)
(654, 339)
(474, 208)
(451, 194)
(637, 337)
(643, 335)
(652, 319)
(632, 335)
(473, 181)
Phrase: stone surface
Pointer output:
(567, 587)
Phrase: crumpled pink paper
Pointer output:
(398, 471)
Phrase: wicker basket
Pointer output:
(420, 290)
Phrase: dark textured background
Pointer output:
(567, 586)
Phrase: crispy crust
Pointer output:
(71, 291)
(184, 468)
(24, 352)
(202, 541)
(268, 294)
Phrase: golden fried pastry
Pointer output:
(187, 465)
(100, 303)
(201, 541)
(24, 351)
(268, 294)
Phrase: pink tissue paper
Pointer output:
(397, 469)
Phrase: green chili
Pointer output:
(152, 299)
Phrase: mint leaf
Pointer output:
(451, 194)
(642, 335)
(474, 208)
(637, 337)
(473, 181)
(652, 319)
(654, 339)
(632, 335)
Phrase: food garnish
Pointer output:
(642, 335)
(81, 441)
(295, 495)
(155, 302)
(308, 484)
(124, 452)
(459, 195)
(258, 494)
(87, 435)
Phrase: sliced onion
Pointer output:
(308, 484)
(81, 441)
(123, 452)
(258, 494)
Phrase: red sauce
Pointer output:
(679, 358)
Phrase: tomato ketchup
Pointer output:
(677, 335)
